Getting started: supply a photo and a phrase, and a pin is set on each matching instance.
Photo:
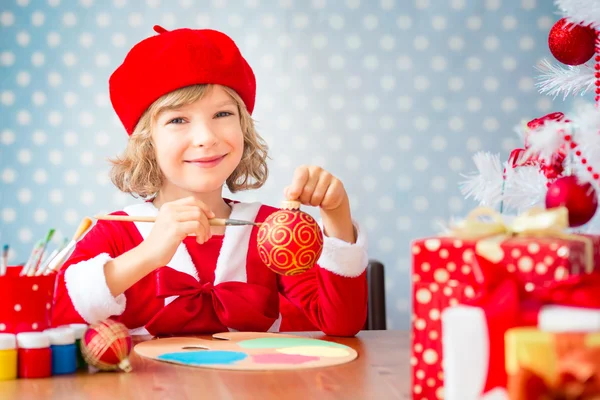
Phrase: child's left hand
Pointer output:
(316, 187)
(313, 186)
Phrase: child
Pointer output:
(185, 98)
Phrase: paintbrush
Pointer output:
(4, 260)
(211, 221)
(47, 260)
(34, 253)
(36, 262)
(61, 257)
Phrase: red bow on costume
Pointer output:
(238, 305)
(507, 304)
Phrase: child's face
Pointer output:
(199, 145)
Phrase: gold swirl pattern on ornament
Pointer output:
(290, 243)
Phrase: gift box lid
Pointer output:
(557, 318)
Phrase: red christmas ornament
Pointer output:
(289, 240)
(106, 346)
(555, 167)
(571, 44)
(579, 199)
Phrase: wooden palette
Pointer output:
(249, 351)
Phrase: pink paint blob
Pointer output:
(278, 358)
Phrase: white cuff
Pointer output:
(343, 258)
(89, 293)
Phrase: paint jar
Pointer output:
(8, 356)
(34, 355)
(64, 351)
(79, 330)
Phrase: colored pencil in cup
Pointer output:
(4, 260)
(61, 257)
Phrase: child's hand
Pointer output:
(316, 187)
(175, 221)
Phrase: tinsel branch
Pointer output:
(555, 79)
(485, 186)
(525, 187)
(582, 12)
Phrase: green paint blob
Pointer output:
(274, 343)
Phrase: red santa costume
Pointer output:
(217, 286)
(221, 284)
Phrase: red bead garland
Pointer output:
(597, 68)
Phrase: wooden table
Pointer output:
(380, 372)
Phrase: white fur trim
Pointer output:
(465, 346)
(181, 260)
(343, 258)
(89, 293)
(231, 264)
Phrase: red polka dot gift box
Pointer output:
(462, 266)
(25, 302)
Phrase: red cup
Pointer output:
(25, 301)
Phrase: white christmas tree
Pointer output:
(559, 163)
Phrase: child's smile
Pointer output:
(206, 162)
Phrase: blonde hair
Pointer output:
(137, 172)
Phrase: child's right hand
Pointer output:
(175, 221)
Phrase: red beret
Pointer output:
(175, 59)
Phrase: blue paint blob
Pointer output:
(204, 357)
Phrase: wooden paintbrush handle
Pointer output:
(129, 218)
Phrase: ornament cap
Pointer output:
(125, 365)
(290, 205)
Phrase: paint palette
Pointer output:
(247, 351)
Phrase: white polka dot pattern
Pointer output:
(26, 304)
(447, 272)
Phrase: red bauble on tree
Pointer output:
(571, 44)
(290, 241)
(579, 198)
(106, 345)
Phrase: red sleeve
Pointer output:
(104, 237)
(335, 304)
